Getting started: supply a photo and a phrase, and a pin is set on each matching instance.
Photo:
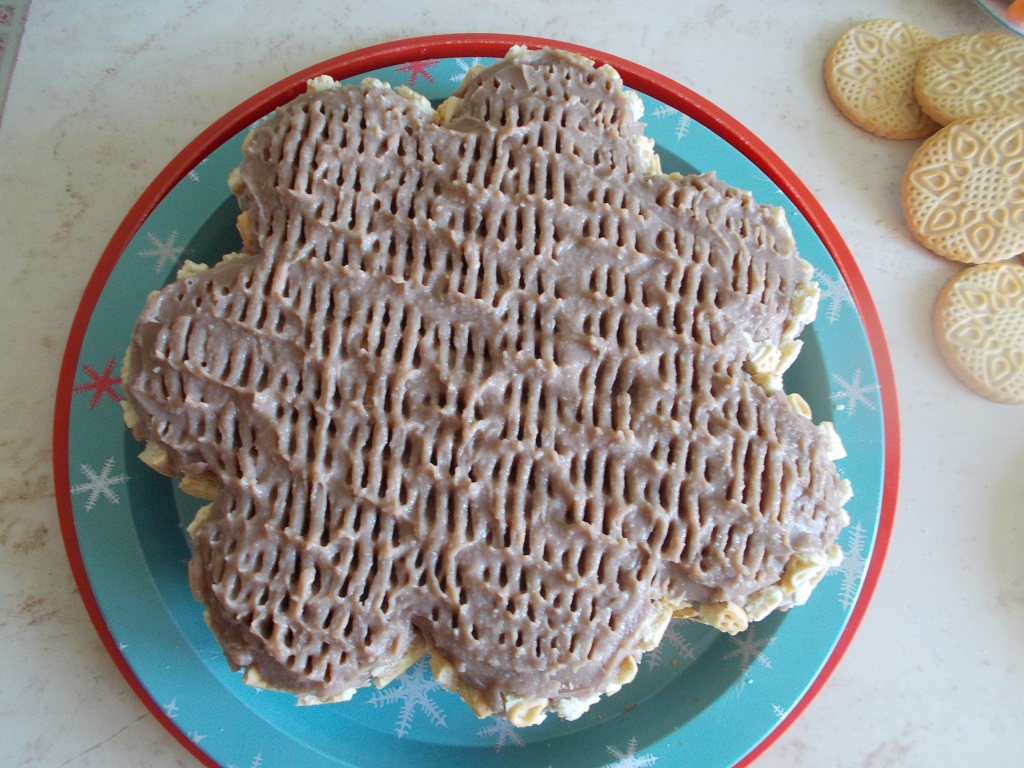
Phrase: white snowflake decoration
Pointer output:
(674, 638)
(682, 127)
(505, 733)
(464, 67)
(166, 251)
(194, 173)
(748, 648)
(854, 392)
(101, 484)
(683, 122)
(171, 709)
(412, 691)
(835, 293)
(852, 567)
(629, 758)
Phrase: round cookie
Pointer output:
(869, 73)
(963, 191)
(972, 74)
(979, 329)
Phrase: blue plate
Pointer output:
(701, 698)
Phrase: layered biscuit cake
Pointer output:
(486, 384)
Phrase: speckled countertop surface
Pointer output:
(105, 93)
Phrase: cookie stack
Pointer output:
(963, 190)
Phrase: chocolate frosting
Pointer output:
(480, 384)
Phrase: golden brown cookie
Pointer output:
(869, 73)
(973, 74)
(979, 328)
(963, 192)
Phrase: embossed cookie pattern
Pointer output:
(979, 327)
(973, 74)
(963, 191)
(869, 74)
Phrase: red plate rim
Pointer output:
(485, 45)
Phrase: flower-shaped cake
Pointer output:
(485, 384)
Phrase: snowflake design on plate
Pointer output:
(413, 691)
(166, 252)
(835, 293)
(417, 69)
(171, 708)
(682, 126)
(853, 392)
(629, 758)
(750, 648)
(99, 484)
(464, 65)
(504, 732)
(101, 383)
(853, 565)
(673, 637)
(194, 175)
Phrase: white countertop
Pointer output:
(105, 93)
